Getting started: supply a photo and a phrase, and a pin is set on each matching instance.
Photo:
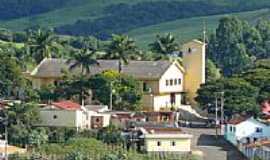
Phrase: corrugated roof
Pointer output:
(139, 69)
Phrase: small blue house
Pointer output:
(246, 130)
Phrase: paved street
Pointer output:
(213, 149)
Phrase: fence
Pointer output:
(260, 152)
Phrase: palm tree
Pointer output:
(42, 44)
(164, 44)
(84, 59)
(122, 48)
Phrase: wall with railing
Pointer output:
(261, 152)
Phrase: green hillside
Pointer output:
(142, 19)
(75, 10)
(186, 29)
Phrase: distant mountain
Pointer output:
(101, 18)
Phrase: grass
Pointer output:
(17, 45)
(93, 149)
(187, 29)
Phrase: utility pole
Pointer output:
(222, 107)
(216, 114)
(111, 96)
(5, 122)
(6, 139)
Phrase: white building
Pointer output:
(165, 140)
(246, 130)
(73, 115)
(98, 116)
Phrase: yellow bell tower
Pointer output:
(194, 64)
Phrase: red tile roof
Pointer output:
(67, 105)
(237, 120)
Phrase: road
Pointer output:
(213, 148)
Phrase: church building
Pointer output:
(165, 83)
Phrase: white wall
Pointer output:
(181, 144)
(164, 101)
(106, 117)
(172, 73)
(248, 129)
(63, 118)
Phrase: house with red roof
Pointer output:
(73, 115)
(63, 114)
(241, 130)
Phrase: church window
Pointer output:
(179, 81)
(175, 81)
(167, 82)
(171, 82)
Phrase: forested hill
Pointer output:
(11, 9)
(119, 18)
(101, 18)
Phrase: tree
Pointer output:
(37, 137)
(237, 61)
(11, 75)
(83, 59)
(212, 72)
(127, 93)
(263, 27)
(75, 155)
(114, 157)
(13, 84)
(264, 94)
(21, 119)
(121, 48)
(111, 135)
(240, 95)
(47, 93)
(252, 39)
(227, 48)
(165, 45)
(73, 86)
(42, 44)
(259, 76)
